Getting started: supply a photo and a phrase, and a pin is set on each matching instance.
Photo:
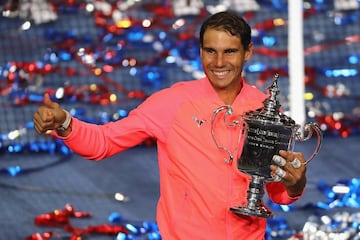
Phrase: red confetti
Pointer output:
(61, 219)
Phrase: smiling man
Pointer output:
(225, 47)
(197, 186)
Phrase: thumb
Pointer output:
(47, 101)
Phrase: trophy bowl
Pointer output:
(264, 133)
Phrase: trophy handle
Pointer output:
(308, 130)
(229, 112)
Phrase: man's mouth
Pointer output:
(220, 73)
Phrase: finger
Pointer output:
(276, 178)
(39, 128)
(285, 154)
(278, 160)
(47, 101)
(289, 155)
(44, 115)
(280, 172)
(296, 163)
(44, 121)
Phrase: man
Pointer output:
(197, 187)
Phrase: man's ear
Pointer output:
(249, 52)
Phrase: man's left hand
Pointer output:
(290, 169)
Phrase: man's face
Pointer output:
(223, 57)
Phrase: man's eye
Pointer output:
(230, 51)
(211, 51)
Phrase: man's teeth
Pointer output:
(221, 73)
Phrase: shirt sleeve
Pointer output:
(97, 142)
(278, 194)
(151, 119)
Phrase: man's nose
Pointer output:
(220, 60)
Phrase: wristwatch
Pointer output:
(66, 123)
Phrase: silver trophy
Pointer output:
(263, 133)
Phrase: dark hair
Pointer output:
(229, 22)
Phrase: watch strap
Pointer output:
(66, 123)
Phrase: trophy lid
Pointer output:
(271, 110)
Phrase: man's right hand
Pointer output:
(49, 116)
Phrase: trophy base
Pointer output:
(260, 211)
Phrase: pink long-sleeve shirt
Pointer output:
(197, 187)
